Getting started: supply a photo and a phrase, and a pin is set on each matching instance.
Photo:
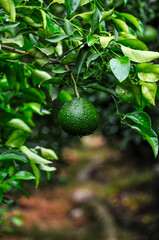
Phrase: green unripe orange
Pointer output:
(78, 117)
(150, 34)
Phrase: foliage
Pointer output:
(50, 47)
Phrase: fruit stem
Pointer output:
(74, 82)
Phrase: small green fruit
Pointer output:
(78, 117)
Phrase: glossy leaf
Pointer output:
(16, 139)
(143, 126)
(81, 58)
(9, 7)
(33, 156)
(19, 124)
(138, 55)
(149, 92)
(39, 56)
(36, 172)
(106, 15)
(101, 87)
(86, 16)
(18, 40)
(121, 25)
(135, 21)
(47, 168)
(147, 68)
(104, 41)
(69, 29)
(71, 58)
(120, 67)
(91, 58)
(148, 77)
(12, 155)
(22, 175)
(57, 38)
(71, 6)
(47, 153)
(134, 44)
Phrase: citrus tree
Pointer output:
(50, 47)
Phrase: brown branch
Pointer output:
(13, 49)
(22, 52)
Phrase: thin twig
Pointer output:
(74, 82)
(13, 49)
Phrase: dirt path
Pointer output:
(89, 185)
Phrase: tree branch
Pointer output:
(22, 52)
(13, 49)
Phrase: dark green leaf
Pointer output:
(57, 38)
(95, 20)
(18, 186)
(71, 58)
(16, 139)
(69, 29)
(101, 87)
(81, 58)
(71, 6)
(12, 155)
(91, 58)
(39, 56)
(143, 126)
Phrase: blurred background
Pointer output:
(106, 186)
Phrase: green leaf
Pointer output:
(16, 139)
(18, 186)
(39, 56)
(86, 16)
(135, 21)
(47, 153)
(148, 77)
(57, 38)
(69, 29)
(9, 7)
(121, 25)
(138, 55)
(71, 6)
(40, 75)
(64, 96)
(18, 40)
(1, 194)
(143, 126)
(106, 15)
(102, 88)
(22, 175)
(91, 40)
(147, 68)
(84, 2)
(149, 91)
(47, 168)
(81, 58)
(91, 58)
(52, 26)
(95, 20)
(12, 155)
(19, 124)
(43, 14)
(104, 41)
(48, 51)
(36, 172)
(120, 67)
(59, 69)
(33, 156)
(134, 44)
(53, 81)
(71, 58)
